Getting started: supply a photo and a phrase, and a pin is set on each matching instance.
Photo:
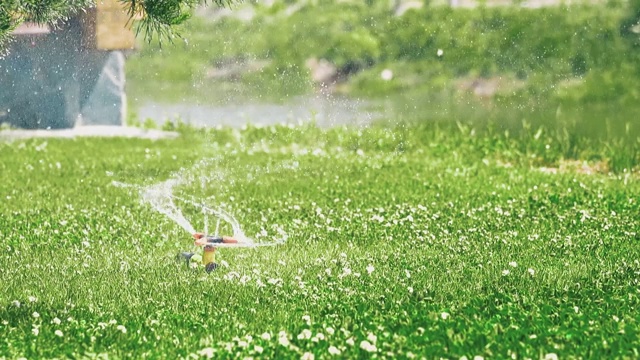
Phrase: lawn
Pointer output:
(402, 242)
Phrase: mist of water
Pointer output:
(164, 198)
(159, 196)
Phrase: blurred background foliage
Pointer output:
(572, 64)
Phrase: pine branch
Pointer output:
(157, 18)
(160, 17)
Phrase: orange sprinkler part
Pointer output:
(203, 240)
(229, 240)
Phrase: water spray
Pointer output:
(161, 198)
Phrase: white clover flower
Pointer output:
(330, 330)
(410, 289)
(334, 350)
(304, 335)
(266, 336)
(122, 329)
(350, 341)
(370, 269)
(367, 346)
(59, 333)
(282, 339)
(372, 338)
(15, 303)
(505, 272)
(35, 331)
(35, 314)
(444, 315)
(306, 318)
(56, 321)
(513, 264)
(531, 271)
(478, 357)
(257, 348)
(32, 299)
(406, 272)
(440, 52)
(307, 356)
(551, 356)
(206, 352)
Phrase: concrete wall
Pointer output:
(54, 80)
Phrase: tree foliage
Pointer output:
(157, 17)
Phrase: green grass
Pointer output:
(418, 239)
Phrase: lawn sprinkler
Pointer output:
(209, 245)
